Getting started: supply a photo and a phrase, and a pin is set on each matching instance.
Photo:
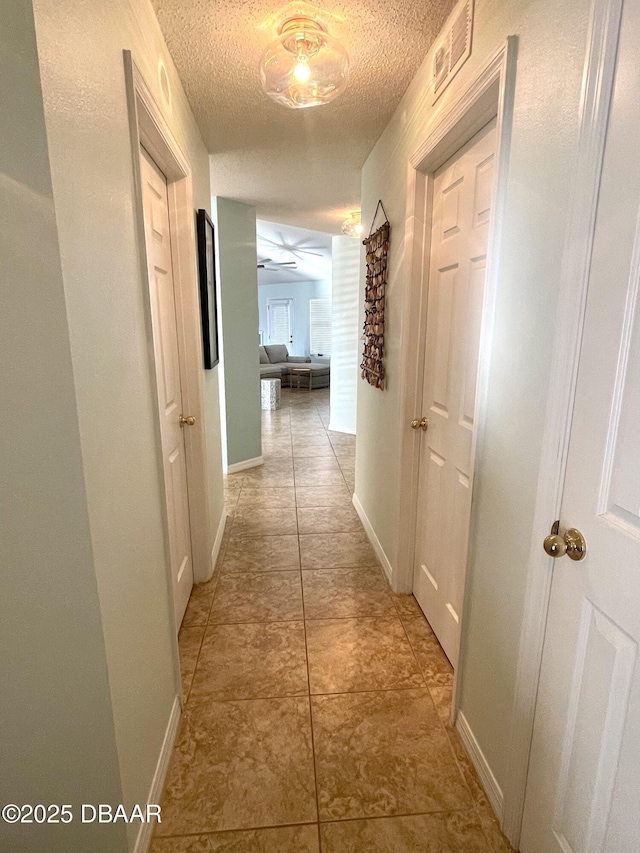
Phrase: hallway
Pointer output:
(313, 692)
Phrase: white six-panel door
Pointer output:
(462, 196)
(583, 789)
(165, 342)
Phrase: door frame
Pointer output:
(489, 95)
(597, 88)
(149, 129)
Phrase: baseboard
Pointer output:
(143, 841)
(215, 551)
(489, 781)
(333, 428)
(375, 542)
(242, 466)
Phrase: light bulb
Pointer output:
(352, 226)
(301, 70)
(304, 66)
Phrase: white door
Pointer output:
(280, 313)
(462, 196)
(165, 344)
(583, 789)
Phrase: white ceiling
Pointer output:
(311, 250)
(300, 167)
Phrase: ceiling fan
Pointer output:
(276, 266)
(293, 248)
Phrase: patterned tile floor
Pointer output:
(317, 712)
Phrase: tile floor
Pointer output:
(317, 712)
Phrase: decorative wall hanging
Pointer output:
(377, 246)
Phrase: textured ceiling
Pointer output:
(311, 250)
(296, 166)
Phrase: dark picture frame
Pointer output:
(208, 297)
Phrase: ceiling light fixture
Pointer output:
(304, 66)
(352, 226)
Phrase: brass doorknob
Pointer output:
(187, 420)
(572, 543)
(420, 423)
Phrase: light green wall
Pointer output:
(238, 289)
(80, 46)
(552, 37)
(58, 739)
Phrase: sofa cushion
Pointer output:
(264, 358)
(277, 353)
(270, 371)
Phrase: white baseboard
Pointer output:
(375, 542)
(143, 840)
(489, 781)
(242, 466)
(215, 551)
(334, 428)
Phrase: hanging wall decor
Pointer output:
(377, 246)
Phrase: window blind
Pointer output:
(279, 321)
(320, 326)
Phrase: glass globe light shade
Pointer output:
(352, 226)
(304, 66)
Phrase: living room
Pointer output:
(308, 340)
(294, 305)
(294, 289)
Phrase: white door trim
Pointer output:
(489, 95)
(597, 86)
(149, 128)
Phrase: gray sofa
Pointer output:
(276, 363)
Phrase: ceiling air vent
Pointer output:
(453, 47)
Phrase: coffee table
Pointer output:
(296, 375)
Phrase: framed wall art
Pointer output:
(208, 299)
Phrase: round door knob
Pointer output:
(572, 543)
(554, 545)
(420, 423)
(187, 420)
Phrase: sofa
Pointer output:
(276, 363)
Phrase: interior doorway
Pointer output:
(173, 420)
(165, 209)
(457, 258)
(485, 110)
